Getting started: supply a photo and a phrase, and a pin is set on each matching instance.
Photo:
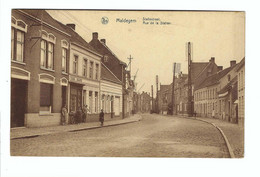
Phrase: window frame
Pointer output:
(14, 45)
(46, 55)
(64, 59)
(85, 67)
(75, 63)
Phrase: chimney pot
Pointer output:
(71, 25)
(95, 35)
(212, 59)
(232, 63)
(220, 68)
(103, 40)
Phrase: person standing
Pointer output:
(85, 113)
(64, 115)
(101, 118)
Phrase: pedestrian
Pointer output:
(213, 113)
(64, 115)
(85, 113)
(78, 115)
(101, 118)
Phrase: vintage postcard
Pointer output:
(127, 83)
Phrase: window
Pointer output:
(19, 28)
(47, 50)
(85, 66)
(84, 97)
(105, 58)
(45, 98)
(17, 44)
(91, 70)
(103, 102)
(43, 53)
(75, 64)
(64, 60)
(96, 101)
(47, 54)
(97, 70)
(229, 77)
(90, 101)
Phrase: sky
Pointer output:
(155, 47)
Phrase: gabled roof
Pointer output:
(76, 38)
(241, 64)
(43, 16)
(197, 68)
(228, 86)
(213, 79)
(104, 46)
(107, 75)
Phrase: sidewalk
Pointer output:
(34, 132)
(233, 132)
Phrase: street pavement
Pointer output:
(153, 136)
(233, 132)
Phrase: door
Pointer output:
(18, 102)
(75, 98)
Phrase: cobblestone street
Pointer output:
(153, 136)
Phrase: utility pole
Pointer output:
(173, 81)
(157, 97)
(190, 111)
(152, 97)
(130, 61)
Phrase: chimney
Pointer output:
(232, 63)
(103, 41)
(220, 68)
(212, 59)
(71, 25)
(95, 36)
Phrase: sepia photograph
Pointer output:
(127, 83)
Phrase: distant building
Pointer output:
(241, 91)
(217, 96)
(111, 94)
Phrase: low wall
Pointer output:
(37, 120)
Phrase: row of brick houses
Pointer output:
(216, 92)
(142, 102)
(53, 66)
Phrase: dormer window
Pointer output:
(228, 77)
(105, 58)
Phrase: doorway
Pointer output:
(18, 102)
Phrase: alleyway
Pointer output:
(153, 136)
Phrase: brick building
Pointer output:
(38, 43)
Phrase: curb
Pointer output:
(75, 130)
(230, 150)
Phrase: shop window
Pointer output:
(45, 98)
